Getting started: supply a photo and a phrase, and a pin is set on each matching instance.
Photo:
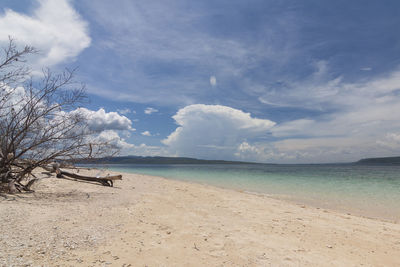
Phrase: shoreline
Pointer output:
(149, 220)
(348, 210)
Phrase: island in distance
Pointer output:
(186, 160)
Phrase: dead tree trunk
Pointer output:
(106, 181)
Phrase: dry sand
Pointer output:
(151, 221)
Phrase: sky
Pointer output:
(267, 81)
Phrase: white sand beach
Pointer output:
(152, 221)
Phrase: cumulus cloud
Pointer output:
(149, 110)
(126, 148)
(213, 131)
(113, 138)
(248, 152)
(362, 122)
(101, 120)
(146, 133)
(55, 28)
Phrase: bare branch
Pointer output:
(37, 122)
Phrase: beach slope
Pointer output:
(151, 221)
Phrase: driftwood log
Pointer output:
(106, 181)
(10, 184)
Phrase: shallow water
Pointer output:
(372, 191)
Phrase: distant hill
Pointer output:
(385, 160)
(184, 160)
(156, 160)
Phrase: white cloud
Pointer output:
(125, 111)
(54, 28)
(307, 150)
(213, 131)
(113, 138)
(213, 81)
(101, 120)
(390, 141)
(362, 122)
(149, 110)
(360, 110)
(103, 126)
(248, 152)
(146, 133)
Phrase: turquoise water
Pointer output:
(372, 191)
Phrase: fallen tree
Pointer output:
(106, 180)
(38, 124)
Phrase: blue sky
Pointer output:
(266, 81)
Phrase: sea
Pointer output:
(370, 191)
